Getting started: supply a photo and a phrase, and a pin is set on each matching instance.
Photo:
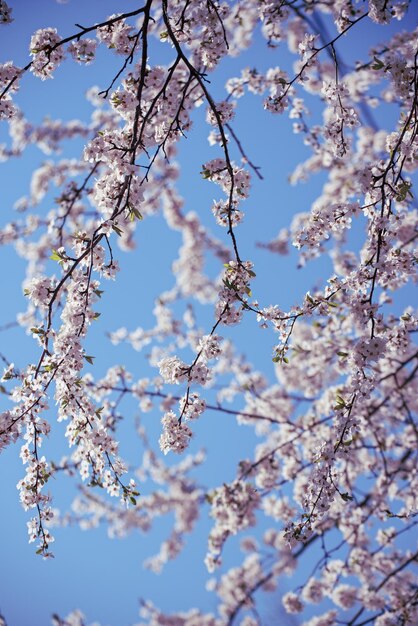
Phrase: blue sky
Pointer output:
(105, 577)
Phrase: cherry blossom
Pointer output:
(326, 494)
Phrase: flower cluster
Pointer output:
(191, 406)
(176, 436)
(40, 290)
(46, 52)
(83, 51)
(223, 113)
(339, 117)
(209, 346)
(233, 508)
(173, 370)
(9, 78)
(117, 35)
(234, 294)
(5, 13)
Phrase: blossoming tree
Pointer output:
(328, 496)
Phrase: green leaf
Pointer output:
(403, 191)
(137, 214)
(117, 230)
(55, 256)
(340, 403)
(378, 64)
(37, 331)
(89, 359)
(209, 497)
(132, 499)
